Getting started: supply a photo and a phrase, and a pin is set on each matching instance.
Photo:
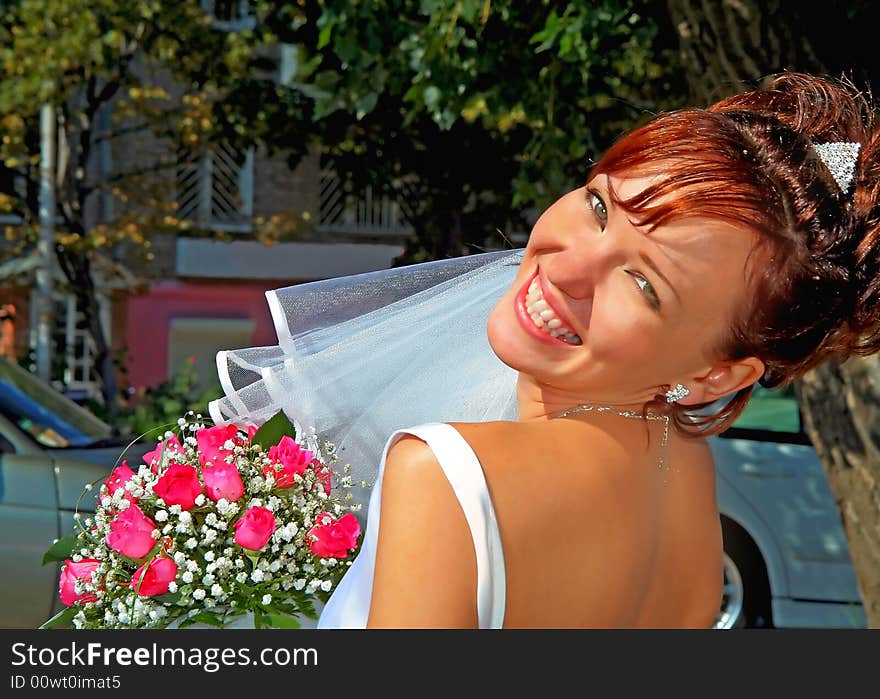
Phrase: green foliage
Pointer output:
(61, 550)
(169, 400)
(271, 431)
(497, 106)
(144, 413)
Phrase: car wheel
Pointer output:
(745, 600)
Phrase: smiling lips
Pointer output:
(544, 317)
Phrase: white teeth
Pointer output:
(544, 318)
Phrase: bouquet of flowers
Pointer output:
(215, 523)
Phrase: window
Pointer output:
(231, 15)
(216, 190)
(775, 410)
(73, 371)
(197, 340)
(366, 212)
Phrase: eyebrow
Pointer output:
(612, 200)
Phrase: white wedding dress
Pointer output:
(349, 605)
(384, 353)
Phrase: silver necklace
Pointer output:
(587, 407)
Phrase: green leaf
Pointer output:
(281, 621)
(273, 430)
(62, 618)
(205, 618)
(61, 550)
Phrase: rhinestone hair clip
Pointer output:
(840, 159)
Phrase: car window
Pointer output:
(49, 417)
(774, 409)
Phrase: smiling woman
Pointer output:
(709, 250)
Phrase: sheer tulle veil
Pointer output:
(363, 355)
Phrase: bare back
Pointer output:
(592, 536)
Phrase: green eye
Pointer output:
(647, 290)
(598, 207)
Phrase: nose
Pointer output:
(579, 266)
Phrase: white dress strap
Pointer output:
(465, 473)
(349, 605)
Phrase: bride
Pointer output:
(570, 483)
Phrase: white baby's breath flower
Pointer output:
(327, 585)
(187, 577)
(161, 515)
(174, 509)
(185, 517)
(179, 557)
(258, 575)
(192, 566)
(200, 499)
(155, 534)
(210, 518)
(172, 587)
(299, 584)
(199, 594)
(241, 577)
(267, 600)
(217, 590)
(209, 556)
(191, 543)
(210, 536)
(208, 579)
(167, 529)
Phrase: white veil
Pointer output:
(361, 356)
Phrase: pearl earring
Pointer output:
(677, 393)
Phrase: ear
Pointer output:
(722, 380)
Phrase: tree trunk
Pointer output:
(729, 45)
(841, 407)
(77, 269)
(724, 44)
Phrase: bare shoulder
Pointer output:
(533, 469)
(425, 573)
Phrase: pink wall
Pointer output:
(150, 315)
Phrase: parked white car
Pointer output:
(787, 561)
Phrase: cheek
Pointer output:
(624, 332)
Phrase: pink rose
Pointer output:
(324, 474)
(293, 459)
(211, 441)
(179, 486)
(255, 528)
(223, 481)
(117, 480)
(70, 573)
(159, 573)
(131, 533)
(334, 538)
(172, 446)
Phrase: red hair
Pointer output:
(749, 161)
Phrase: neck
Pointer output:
(540, 402)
